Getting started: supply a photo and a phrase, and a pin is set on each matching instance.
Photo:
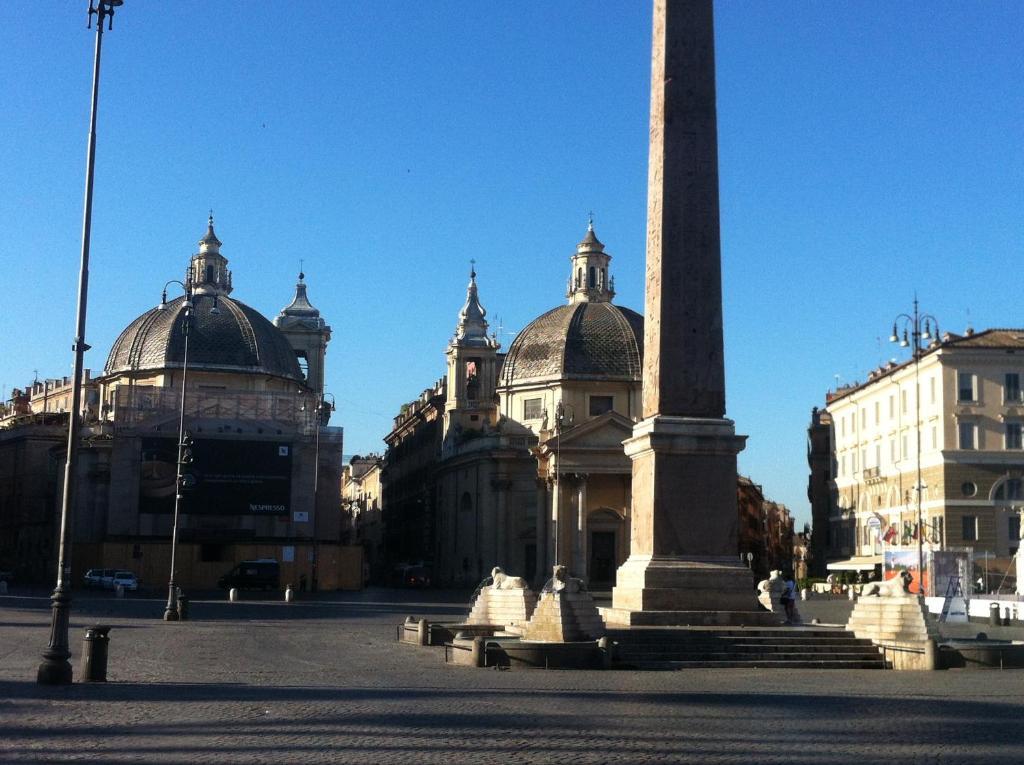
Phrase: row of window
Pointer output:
(967, 432)
(967, 388)
(903, 453)
(904, 407)
(969, 529)
(967, 391)
(533, 408)
(967, 438)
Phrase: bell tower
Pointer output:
(472, 368)
(208, 270)
(589, 281)
(308, 334)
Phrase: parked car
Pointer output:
(262, 574)
(99, 578)
(416, 576)
(125, 579)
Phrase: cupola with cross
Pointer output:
(589, 281)
(208, 270)
(472, 367)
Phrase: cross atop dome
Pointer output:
(210, 240)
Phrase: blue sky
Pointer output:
(867, 150)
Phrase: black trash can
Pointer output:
(993, 614)
(182, 608)
(94, 654)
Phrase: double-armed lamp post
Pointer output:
(184, 439)
(910, 330)
(55, 668)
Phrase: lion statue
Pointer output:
(562, 582)
(770, 590)
(890, 588)
(502, 581)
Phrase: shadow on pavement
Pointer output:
(530, 725)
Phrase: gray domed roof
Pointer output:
(583, 341)
(239, 339)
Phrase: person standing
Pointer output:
(788, 598)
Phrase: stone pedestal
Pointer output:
(510, 608)
(682, 568)
(899, 625)
(564, 617)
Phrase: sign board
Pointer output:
(288, 553)
(300, 516)
(947, 564)
(224, 477)
(898, 561)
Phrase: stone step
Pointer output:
(747, 656)
(634, 650)
(794, 632)
(778, 640)
(761, 648)
(766, 664)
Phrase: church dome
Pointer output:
(237, 338)
(580, 341)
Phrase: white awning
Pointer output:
(861, 563)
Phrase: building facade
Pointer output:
(265, 473)
(361, 502)
(956, 417)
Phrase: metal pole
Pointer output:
(171, 612)
(55, 668)
(917, 412)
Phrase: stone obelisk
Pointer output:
(683, 566)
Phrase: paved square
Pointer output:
(324, 681)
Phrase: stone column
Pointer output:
(541, 529)
(682, 567)
(501, 557)
(1020, 556)
(555, 527)
(579, 562)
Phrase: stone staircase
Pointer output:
(765, 647)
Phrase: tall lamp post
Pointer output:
(564, 415)
(184, 441)
(55, 668)
(910, 330)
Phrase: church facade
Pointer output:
(527, 469)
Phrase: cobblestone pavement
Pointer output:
(324, 681)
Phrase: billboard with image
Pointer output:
(897, 561)
(224, 477)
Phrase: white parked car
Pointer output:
(125, 579)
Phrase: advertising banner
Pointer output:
(224, 477)
(948, 564)
(898, 561)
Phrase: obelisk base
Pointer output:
(681, 591)
(683, 566)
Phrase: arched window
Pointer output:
(209, 273)
(466, 503)
(1008, 489)
(591, 278)
(579, 276)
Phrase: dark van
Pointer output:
(252, 575)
